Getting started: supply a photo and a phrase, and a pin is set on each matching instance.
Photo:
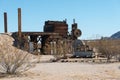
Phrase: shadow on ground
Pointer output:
(119, 67)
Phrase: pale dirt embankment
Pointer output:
(66, 71)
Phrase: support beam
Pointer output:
(5, 22)
(19, 23)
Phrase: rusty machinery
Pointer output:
(53, 32)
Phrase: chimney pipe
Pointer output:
(5, 22)
(19, 22)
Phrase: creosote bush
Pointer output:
(13, 60)
(109, 48)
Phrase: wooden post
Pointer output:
(5, 22)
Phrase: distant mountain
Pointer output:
(116, 35)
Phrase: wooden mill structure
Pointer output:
(53, 39)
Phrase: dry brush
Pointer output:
(107, 48)
(12, 60)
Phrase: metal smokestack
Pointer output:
(19, 22)
(5, 22)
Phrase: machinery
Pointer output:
(61, 28)
(55, 38)
(82, 50)
(55, 32)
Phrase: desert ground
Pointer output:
(45, 70)
(70, 71)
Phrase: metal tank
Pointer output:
(82, 50)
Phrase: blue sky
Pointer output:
(95, 18)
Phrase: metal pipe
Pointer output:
(5, 22)
(19, 22)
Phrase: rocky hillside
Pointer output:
(116, 35)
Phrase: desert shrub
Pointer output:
(13, 60)
(63, 47)
(107, 48)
